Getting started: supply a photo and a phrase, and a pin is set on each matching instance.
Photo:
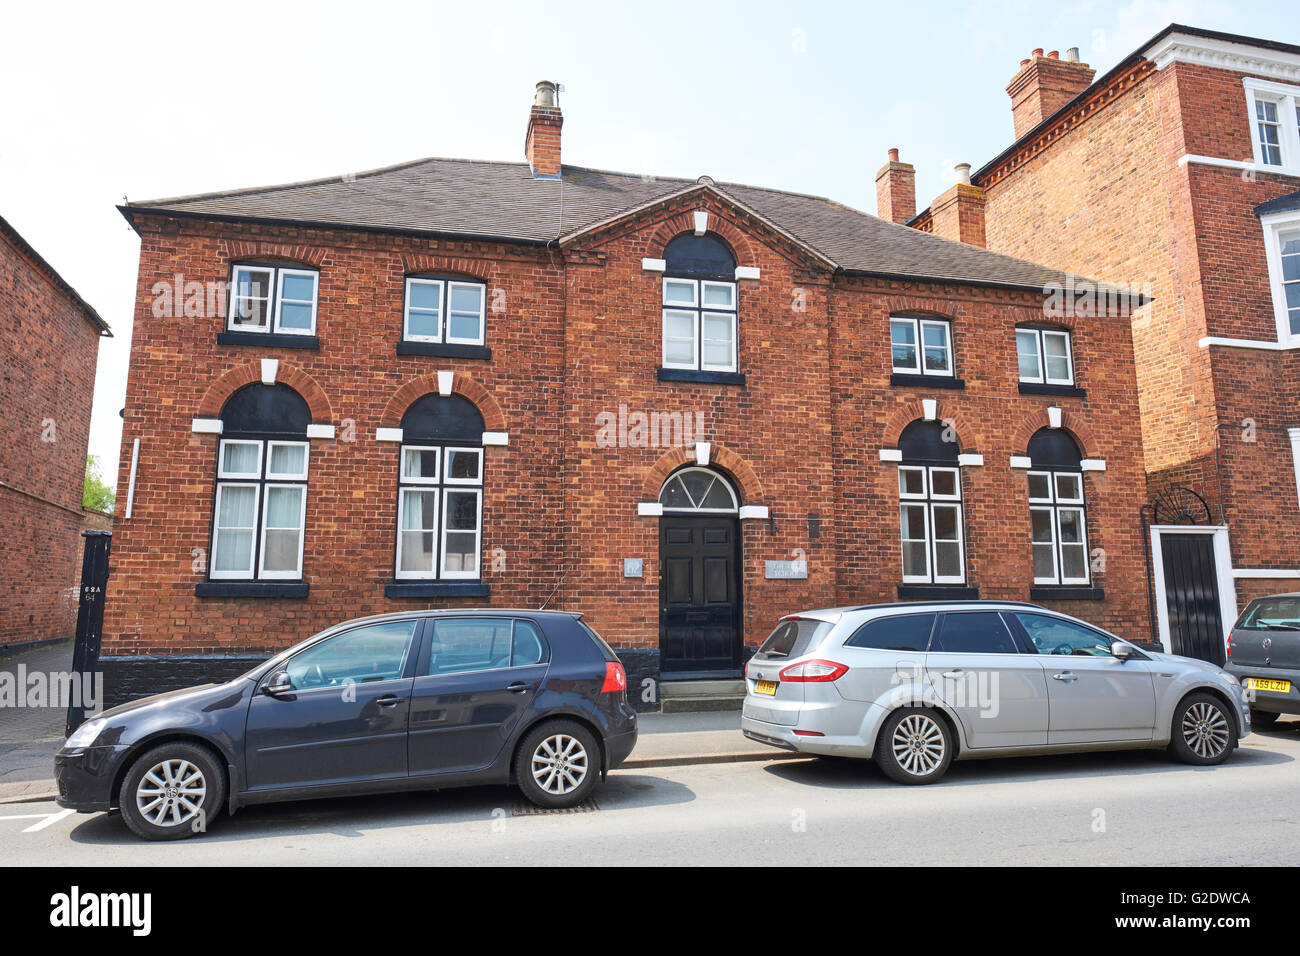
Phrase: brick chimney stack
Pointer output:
(958, 214)
(542, 143)
(896, 190)
(1045, 84)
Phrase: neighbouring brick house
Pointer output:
(1178, 169)
(49, 343)
(684, 408)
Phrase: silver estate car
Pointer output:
(919, 685)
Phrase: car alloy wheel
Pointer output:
(1205, 730)
(559, 764)
(918, 744)
(171, 793)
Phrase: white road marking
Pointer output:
(25, 816)
(49, 818)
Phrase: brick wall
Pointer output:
(580, 335)
(48, 349)
(1109, 198)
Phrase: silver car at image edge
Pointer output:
(918, 685)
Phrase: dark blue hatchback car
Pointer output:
(410, 701)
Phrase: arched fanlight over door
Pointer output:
(698, 489)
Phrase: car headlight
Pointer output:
(85, 735)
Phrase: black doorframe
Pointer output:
(735, 663)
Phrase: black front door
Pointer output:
(1192, 596)
(699, 595)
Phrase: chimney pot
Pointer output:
(542, 141)
(1044, 85)
(896, 190)
(1054, 55)
(1072, 54)
(963, 173)
(1038, 51)
(545, 95)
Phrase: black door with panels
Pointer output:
(699, 595)
(1192, 596)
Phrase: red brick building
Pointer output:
(684, 408)
(1178, 171)
(49, 342)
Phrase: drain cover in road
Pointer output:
(528, 810)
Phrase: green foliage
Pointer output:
(95, 493)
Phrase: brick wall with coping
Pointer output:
(48, 350)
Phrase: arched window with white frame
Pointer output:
(930, 505)
(1058, 521)
(260, 502)
(440, 491)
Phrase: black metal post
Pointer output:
(90, 618)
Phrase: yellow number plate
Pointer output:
(1273, 686)
(767, 687)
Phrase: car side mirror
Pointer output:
(278, 684)
(1121, 650)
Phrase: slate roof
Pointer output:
(502, 201)
(1280, 204)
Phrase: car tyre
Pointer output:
(1263, 718)
(557, 764)
(915, 746)
(173, 791)
(1204, 732)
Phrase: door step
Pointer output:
(697, 696)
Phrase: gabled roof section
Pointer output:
(468, 199)
(27, 252)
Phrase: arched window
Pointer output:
(440, 490)
(260, 507)
(930, 509)
(699, 305)
(1056, 512)
(698, 489)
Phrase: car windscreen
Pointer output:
(792, 638)
(1272, 614)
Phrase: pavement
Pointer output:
(29, 736)
(1081, 809)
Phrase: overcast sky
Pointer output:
(105, 100)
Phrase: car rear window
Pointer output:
(1272, 614)
(605, 649)
(906, 632)
(792, 638)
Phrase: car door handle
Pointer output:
(954, 675)
(389, 700)
(518, 687)
(1066, 676)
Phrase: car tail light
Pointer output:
(809, 733)
(615, 678)
(813, 672)
(1230, 643)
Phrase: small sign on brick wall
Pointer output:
(793, 570)
(632, 567)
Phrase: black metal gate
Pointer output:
(1192, 596)
(90, 618)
